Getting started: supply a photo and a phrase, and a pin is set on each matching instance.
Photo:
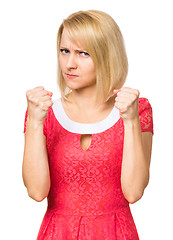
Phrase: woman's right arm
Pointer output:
(35, 168)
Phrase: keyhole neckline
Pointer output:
(83, 128)
(90, 145)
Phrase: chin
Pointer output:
(74, 86)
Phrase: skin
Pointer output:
(137, 144)
(35, 167)
(75, 60)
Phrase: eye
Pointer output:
(64, 50)
(85, 54)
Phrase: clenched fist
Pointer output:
(39, 101)
(126, 101)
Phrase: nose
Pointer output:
(71, 62)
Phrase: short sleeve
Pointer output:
(146, 115)
(44, 125)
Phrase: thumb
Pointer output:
(50, 93)
(115, 91)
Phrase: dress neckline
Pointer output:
(83, 128)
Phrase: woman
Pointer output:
(89, 151)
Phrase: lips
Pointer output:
(72, 75)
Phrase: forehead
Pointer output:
(71, 40)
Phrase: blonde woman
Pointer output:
(88, 151)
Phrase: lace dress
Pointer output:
(85, 201)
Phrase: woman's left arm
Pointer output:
(137, 146)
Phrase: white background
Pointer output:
(28, 59)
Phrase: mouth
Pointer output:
(72, 75)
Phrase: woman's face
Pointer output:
(76, 65)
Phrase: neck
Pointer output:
(87, 102)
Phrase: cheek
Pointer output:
(90, 68)
(61, 62)
(92, 71)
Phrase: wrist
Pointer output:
(131, 123)
(34, 122)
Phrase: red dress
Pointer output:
(85, 201)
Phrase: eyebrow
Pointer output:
(76, 50)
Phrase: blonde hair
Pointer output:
(103, 41)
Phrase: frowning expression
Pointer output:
(76, 64)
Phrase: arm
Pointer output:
(35, 168)
(137, 144)
(136, 161)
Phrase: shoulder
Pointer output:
(144, 101)
(145, 115)
(144, 104)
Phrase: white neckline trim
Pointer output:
(83, 128)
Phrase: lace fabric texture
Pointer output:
(85, 201)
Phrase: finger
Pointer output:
(45, 98)
(127, 89)
(120, 107)
(47, 105)
(130, 95)
(42, 93)
(124, 89)
(124, 99)
(115, 91)
(130, 90)
(31, 91)
(50, 93)
(125, 94)
(38, 88)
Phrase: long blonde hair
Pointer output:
(102, 38)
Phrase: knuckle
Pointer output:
(47, 98)
(137, 92)
(117, 99)
(125, 109)
(45, 108)
(116, 104)
(30, 97)
(41, 104)
(133, 99)
(45, 92)
(129, 102)
(49, 103)
(39, 87)
(27, 93)
(37, 101)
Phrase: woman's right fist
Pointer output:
(39, 101)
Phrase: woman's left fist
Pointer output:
(126, 101)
